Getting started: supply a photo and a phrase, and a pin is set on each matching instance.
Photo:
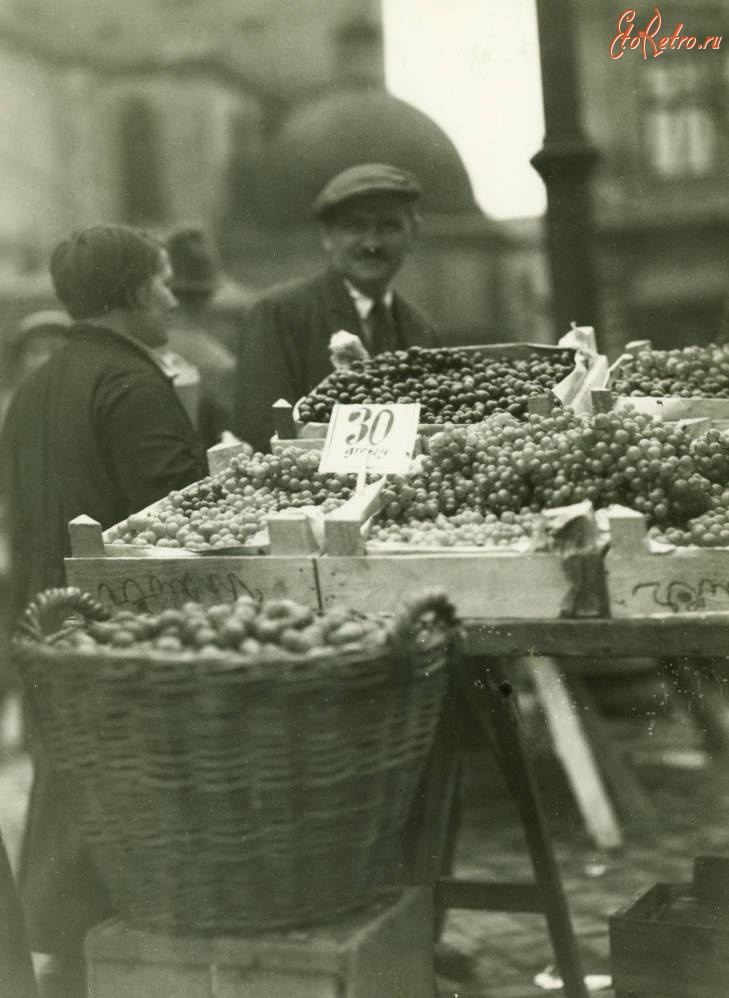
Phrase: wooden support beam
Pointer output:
(574, 751)
(693, 634)
(343, 526)
(493, 706)
(474, 895)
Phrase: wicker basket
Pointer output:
(222, 795)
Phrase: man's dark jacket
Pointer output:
(98, 430)
(283, 348)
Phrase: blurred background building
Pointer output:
(233, 114)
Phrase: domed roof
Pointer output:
(325, 136)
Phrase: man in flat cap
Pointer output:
(369, 223)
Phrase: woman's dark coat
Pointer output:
(97, 430)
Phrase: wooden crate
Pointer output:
(482, 582)
(168, 577)
(383, 951)
(662, 945)
(669, 408)
(645, 578)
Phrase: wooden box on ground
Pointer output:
(481, 582)
(645, 578)
(384, 951)
(665, 944)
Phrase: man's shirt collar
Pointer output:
(363, 303)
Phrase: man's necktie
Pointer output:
(381, 328)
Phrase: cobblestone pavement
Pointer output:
(688, 790)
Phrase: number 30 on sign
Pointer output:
(377, 438)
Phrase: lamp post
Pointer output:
(565, 163)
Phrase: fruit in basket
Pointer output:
(691, 372)
(271, 630)
(452, 385)
(228, 510)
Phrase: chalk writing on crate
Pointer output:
(682, 597)
(150, 592)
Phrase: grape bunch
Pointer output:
(227, 510)
(711, 529)
(504, 467)
(692, 372)
(456, 386)
(469, 528)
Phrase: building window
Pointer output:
(141, 176)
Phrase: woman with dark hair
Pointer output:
(96, 430)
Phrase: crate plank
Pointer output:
(642, 580)
(155, 584)
(481, 585)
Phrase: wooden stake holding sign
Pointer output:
(364, 438)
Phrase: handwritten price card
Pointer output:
(377, 438)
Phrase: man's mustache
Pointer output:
(372, 254)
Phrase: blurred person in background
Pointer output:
(35, 339)
(99, 430)
(196, 278)
(369, 224)
(39, 335)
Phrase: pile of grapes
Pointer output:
(268, 630)
(499, 473)
(469, 528)
(227, 510)
(452, 386)
(692, 372)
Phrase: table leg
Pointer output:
(494, 707)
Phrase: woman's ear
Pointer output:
(325, 237)
(140, 298)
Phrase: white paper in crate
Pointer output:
(591, 369)
(344, 348)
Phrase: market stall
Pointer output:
(558, 530)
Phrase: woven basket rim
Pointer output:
(291, 666)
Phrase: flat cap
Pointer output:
(366, 178)
(194, 261)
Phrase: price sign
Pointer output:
(370, 437)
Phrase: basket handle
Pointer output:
(48, 610)
(415, 621)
